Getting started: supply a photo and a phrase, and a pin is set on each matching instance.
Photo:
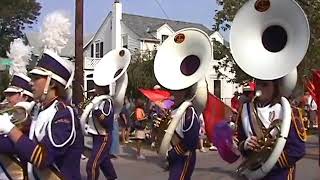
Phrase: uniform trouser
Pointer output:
(281, 174)
(100, 158)
(181, 167)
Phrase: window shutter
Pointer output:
(101, 49)
(91, 51)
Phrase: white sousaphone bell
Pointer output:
(181, 62)
(111, 70)
(268, 39)
(268, 42)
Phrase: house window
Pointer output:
(164, 37)
(99, 49)
(217, 88)
(90, 86)
(125, 41)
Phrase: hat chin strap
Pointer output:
(46, 88)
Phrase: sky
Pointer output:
(95, 11)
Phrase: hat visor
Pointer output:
(17, 90)
(12, 90)
(37, 71)
(44, 72)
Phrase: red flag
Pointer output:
(252, 85)
(316, 83)
(216, 111)
(216, 115)
(155, 94)
(309, 85)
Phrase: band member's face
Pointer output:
(179, 96)
(38, 84)
(267, 90)
(14, 98)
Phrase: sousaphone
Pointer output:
(111, 70)
(181, 62)
(268, 39)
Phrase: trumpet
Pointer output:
(18, 113)
(3, 104)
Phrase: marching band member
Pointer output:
(110, 80)
(182, 74)
(56, 147)
(258, 116)
(58, 138)
(271, 136)
(100, 156)
(18, 93)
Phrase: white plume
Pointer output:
(20, 55)
(56, 31)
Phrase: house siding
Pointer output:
(133, 42)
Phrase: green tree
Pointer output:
(225, 15)
(15, 16)
(4, 82)
(140, 72)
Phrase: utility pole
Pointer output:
(78, 81)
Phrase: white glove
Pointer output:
(5, 124)
(25, 105)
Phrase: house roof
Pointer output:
(142, 25)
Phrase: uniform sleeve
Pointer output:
(191, 129)
(48, 150)
(240, 136)
(6, 145)
(104, 113)
(294, 149)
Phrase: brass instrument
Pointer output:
(3, 105)
(267, 142)
(161, 125)
(181, 62)
(86, 102)
(19, 113)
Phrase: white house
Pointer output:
(144, 33)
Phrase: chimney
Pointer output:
(116, 24)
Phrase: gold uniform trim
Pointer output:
(298, 123)
(34, 152)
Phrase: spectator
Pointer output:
(202, 134)
(140, 119)
(311, 108)
(124, 122)
(235, 102)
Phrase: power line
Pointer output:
(164, 12)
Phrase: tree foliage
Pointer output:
(225, 15)
(4, 82)
(15, 16)
(140, 72)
